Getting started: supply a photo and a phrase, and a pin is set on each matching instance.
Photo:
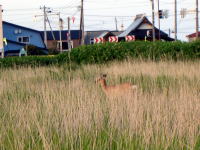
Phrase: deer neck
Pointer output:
(104, 84)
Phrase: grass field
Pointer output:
(52, 108)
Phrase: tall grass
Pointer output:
(52, 108)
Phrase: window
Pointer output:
(17, 31)
(23, 39)
(64, 45)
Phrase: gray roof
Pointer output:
(95, 33)
(133, 26)
(116, 33)
(91, 34)
(103, 34)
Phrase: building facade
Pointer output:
(141, 28)
(90, 35)
(18, 37)
(53, 39)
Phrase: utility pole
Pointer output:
(45, 26)
(60, 32)
(1, 34)
(175, 19)
(51, 28)
(158, 19)
(116, 24)
(153, 21)
(82, 25)
(69, 35)
(197, 19)
(46, 19)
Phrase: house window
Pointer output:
(23, 39)
(17, 31)
(64, 45)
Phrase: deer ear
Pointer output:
(104, 75)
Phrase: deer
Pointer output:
(116, 91)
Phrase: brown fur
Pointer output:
(120, 90)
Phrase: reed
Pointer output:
(52, 108)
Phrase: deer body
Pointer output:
(121, 90)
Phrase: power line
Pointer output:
(103, 8)
(71, 9)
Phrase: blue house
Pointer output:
(18, 37)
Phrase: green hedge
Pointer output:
(102, 53)
(31, 61)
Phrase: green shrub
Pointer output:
(102, 53)
(33, 50)
(32, 61)
(53, 51)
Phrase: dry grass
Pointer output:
(51, 108)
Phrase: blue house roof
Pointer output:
(14, 42)
(22, 44)
(75, 34)
(22, 27)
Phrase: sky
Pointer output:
(98, 14)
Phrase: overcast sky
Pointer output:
(99, 14)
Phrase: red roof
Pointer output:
(192, 35)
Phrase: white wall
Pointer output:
(145, 26)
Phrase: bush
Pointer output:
(102, 53)
(33, 50)
(32, 61)
(53, 51)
